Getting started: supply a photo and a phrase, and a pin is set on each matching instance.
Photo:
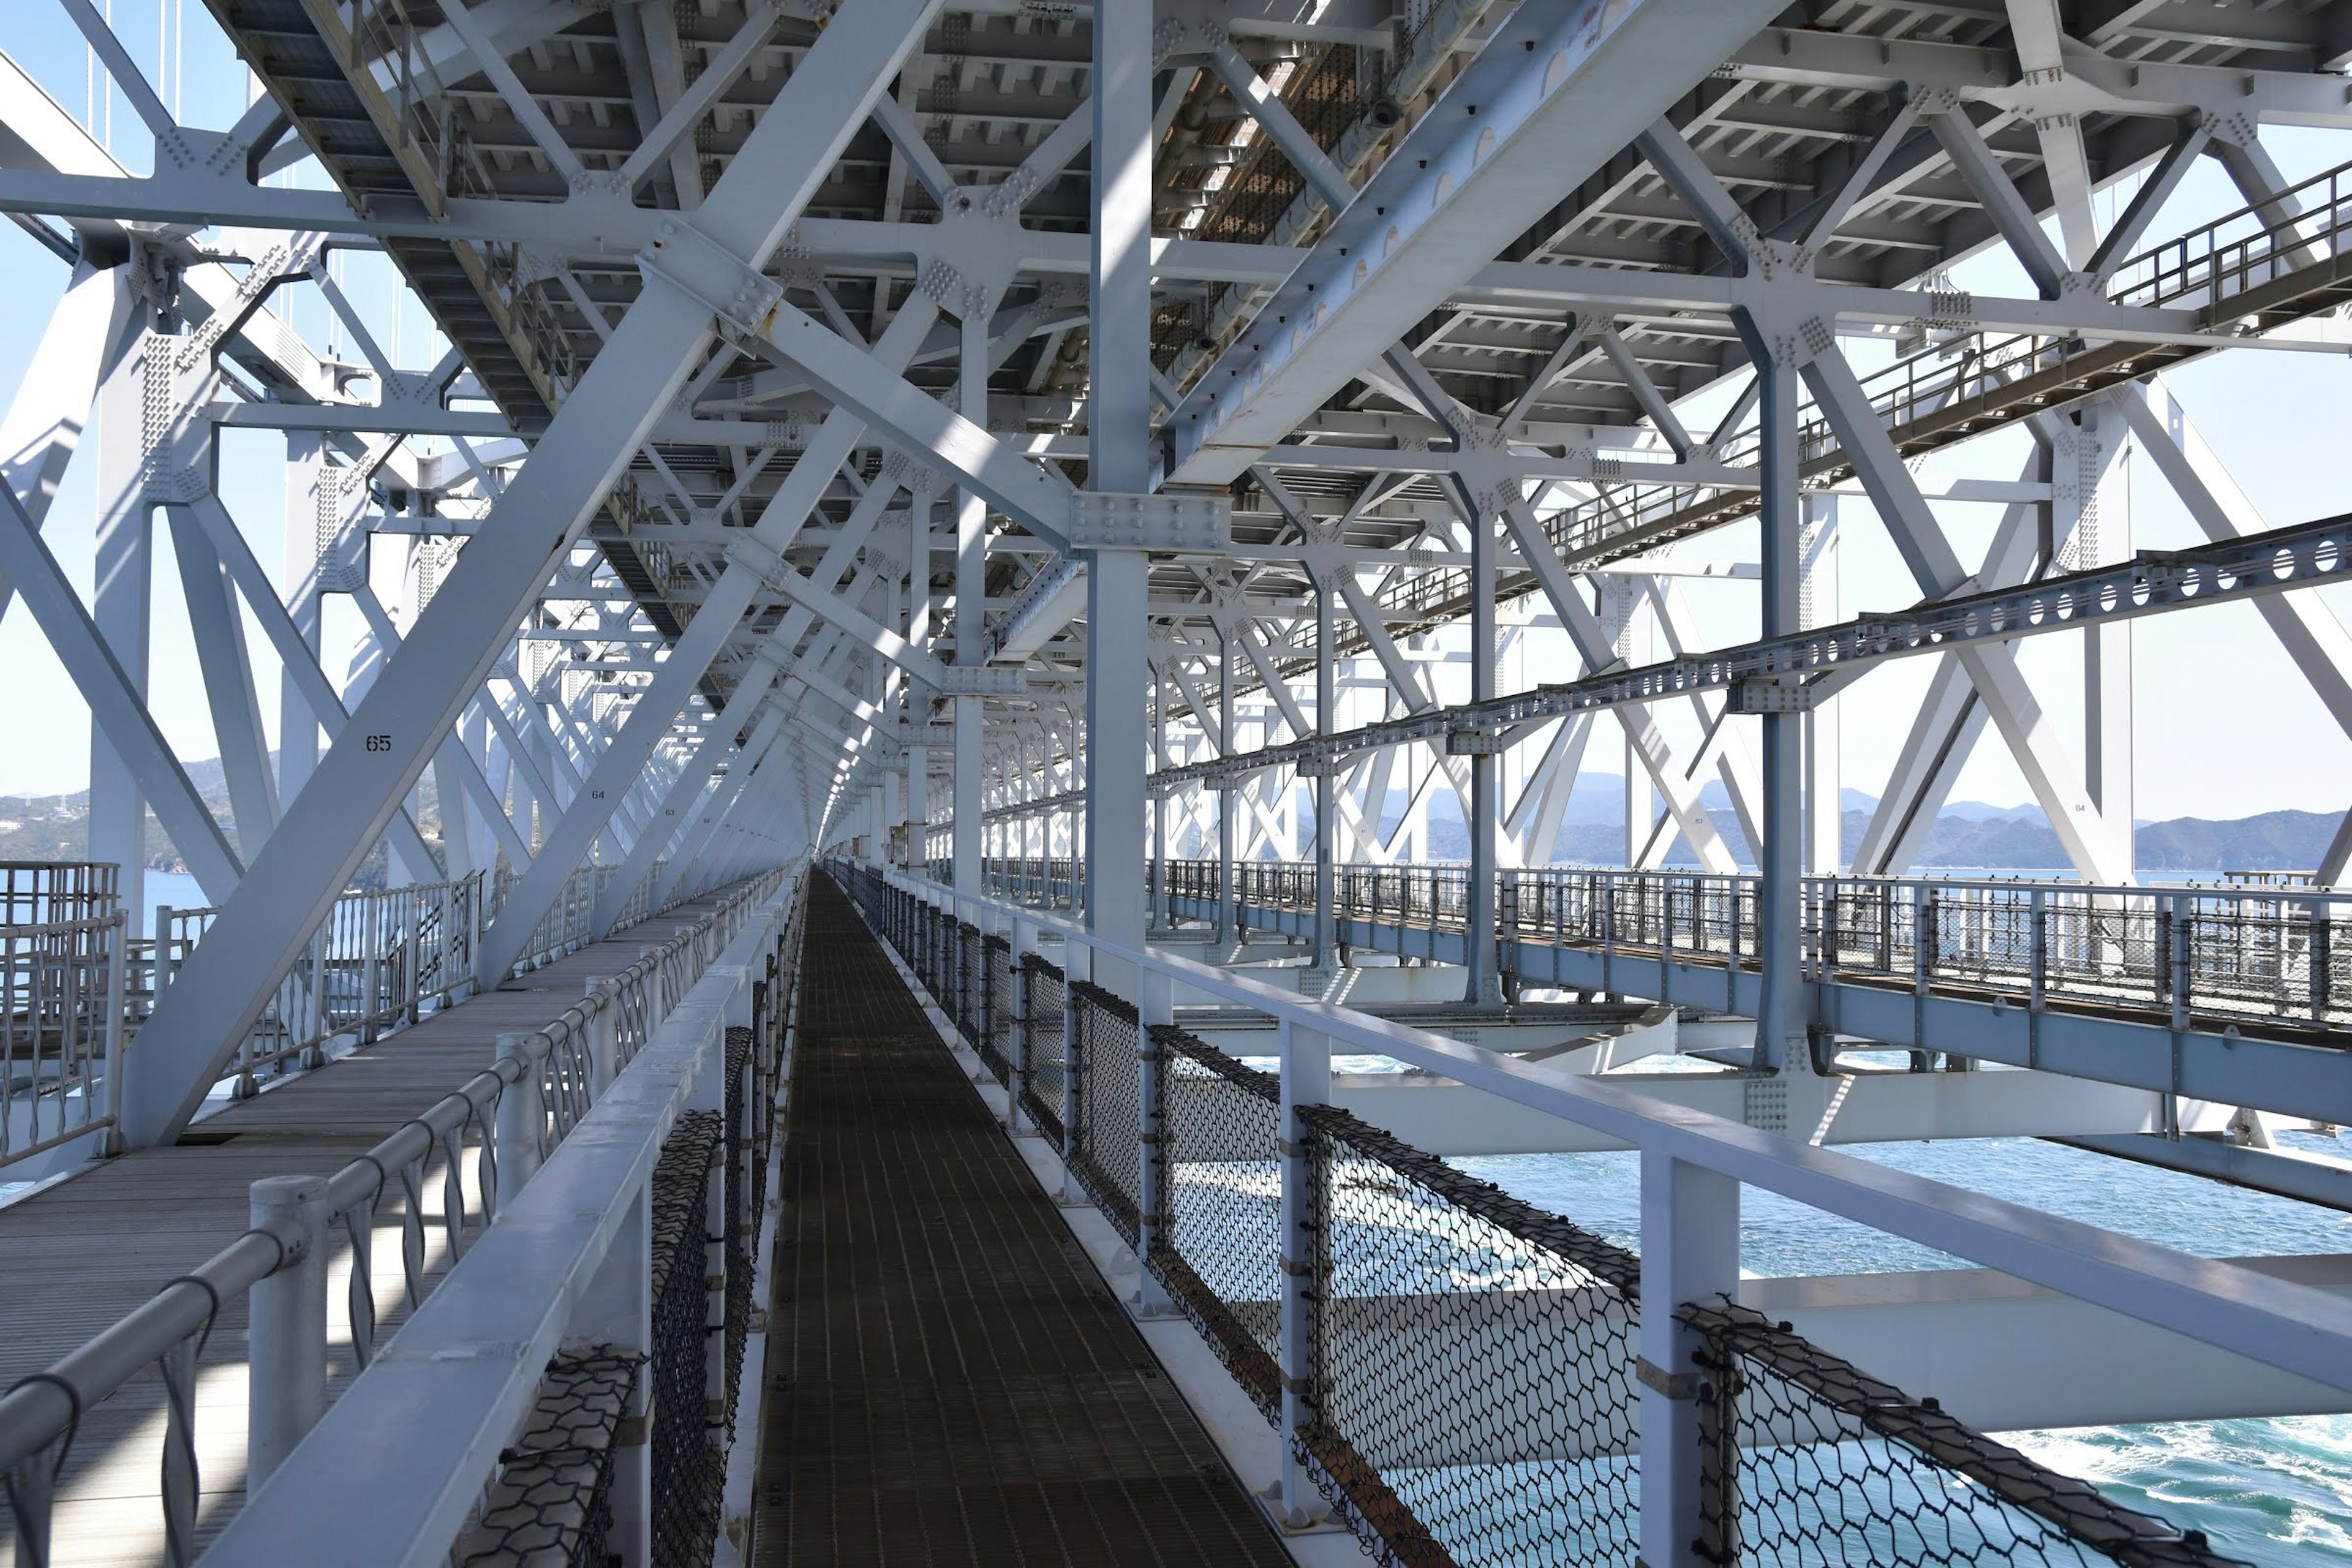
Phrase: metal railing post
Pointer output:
(161, 949)
(603, 1038)
(415, 945)
(2317, 959)
(1155, 995)
(1076, 966)
(372, 970)
(522, 1118)
(2176, 958)
(117, 1001)
(1690, 1253)
(286, 1389)
(1304, 1261)
(1023, 942)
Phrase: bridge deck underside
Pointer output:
(79, 1255)
(950, 1382)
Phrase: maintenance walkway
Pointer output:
(77, 1255)
(949, 1379)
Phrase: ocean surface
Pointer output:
(2270, 1491)
(173, 888)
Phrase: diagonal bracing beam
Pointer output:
(328, 829)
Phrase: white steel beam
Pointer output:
(117, 709)
(1118, 459)
(327, 831)
(1558, 91)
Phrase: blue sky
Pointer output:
(2225, 726)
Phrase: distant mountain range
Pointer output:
(57, 826)
(1968, 834)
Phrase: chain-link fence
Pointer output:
(687, 1474)
(1106, 1143)
(1468, 1378)
(970, 977)
(997, 1022)
(1473, 1394)
(1806, 1458)
(551, 1506)
(1220, 1254)
(1042, 1081)
(747, 1161)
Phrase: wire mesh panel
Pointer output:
(938, 934)
(1041, 1089)
(747, 1162)
(1473, 1380)
(1220, 1256)
(995, 1041)
(1106, 1145)
(687, 1474)
(1807, 1459)
(970, 977)
(553, 1503)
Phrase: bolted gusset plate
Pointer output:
(1177, 520)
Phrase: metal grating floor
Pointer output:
(950, 1382)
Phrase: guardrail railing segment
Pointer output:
(2246, 953)
(380, 959)
(48, 892)
(506, 1120)
(2250, 262)
(1460, 1374)
(61, 1021)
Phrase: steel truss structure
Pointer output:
(1063, 449)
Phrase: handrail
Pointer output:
(563, 1233)
(381, 959)
(2213, 266)
(2256, 955)
(2294, 1328)
(41, 1409)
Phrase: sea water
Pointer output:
(2270, 1491)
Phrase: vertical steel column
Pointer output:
(1690, 1253)
(1481, 983)
(122, 602)
(2101, 500)
(918, 633)
(1306, 1081)
(1631, 627)
(1228, 903)
(972, 592)
(1780, 1014)
(1326, 722)
(297, 726)
(1161, 914)
(1819, 604)
(1119, 458)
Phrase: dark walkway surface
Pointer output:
(948, 1380)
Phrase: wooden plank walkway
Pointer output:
(77, 1257)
